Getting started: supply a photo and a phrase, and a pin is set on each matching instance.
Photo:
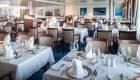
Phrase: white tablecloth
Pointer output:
(102, 69)
(20, 26)
(82, 32)
(23, 67)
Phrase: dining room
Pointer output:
(69, 40)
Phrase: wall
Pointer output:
(48, 8)
(75, 9)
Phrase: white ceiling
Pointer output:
(40, 3)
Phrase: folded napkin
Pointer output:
(77, 68)
(9, 52)
(129, 50)
(30, 43)
(64, 25)
(7, 40)
(138, 54)
(42, 26)
(89, 50)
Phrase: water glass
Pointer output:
(74, 46)
(18, 39)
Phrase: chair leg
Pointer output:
(57, 46)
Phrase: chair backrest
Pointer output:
(34, 32)
(76, 23)
(46, 40)
(99, 43)
(127, 35)
(133, 44)
(107, 34)
(44, 23)
(24, 35)
(34, 24)
(7, 29)
(54, 32)
(89, 25)
(7, 75)
(80, 25)
(68, 35)
(69, 24)
(104, 34)
(3, 35)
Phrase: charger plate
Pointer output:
(86, 72)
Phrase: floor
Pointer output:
(58, 55)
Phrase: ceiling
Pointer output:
(40, 3)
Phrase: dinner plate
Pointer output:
(135, 61)
(86, 72)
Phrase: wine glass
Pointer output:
(127, 55)
(76, 46)
(18, 39)
(72, 46)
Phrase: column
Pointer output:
(30, 7)
(111, 11)
(138, 19)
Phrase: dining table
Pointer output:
(117, 71)
(25, 62)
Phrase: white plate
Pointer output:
(86, 72)
(135, 61)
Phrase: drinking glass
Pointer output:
(127, 55)
(76, 46)
(18, 39)
(72, 46)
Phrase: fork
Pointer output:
(63, 71)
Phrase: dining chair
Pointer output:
(76, 23)
(89, 27)
(34, 24)
(107, 34)
(127, 35)
(100, 43)
(69, 37)
(44, 23)
(24, 35)
(69, 24)
(82, 25)
(34, 32)
(7, 75)
(46, 40)
(3, 35)
(7, 29)
(57, 37)
(133, 44)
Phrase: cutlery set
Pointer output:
(95, 72)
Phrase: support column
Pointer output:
(30, 7)
(111, 11)
(138, 19)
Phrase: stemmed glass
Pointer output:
(121, 54)
(74, 46)
(18, 39)
(127, 55)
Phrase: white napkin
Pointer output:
(30, 43)
(89, 50)
(129, 50)
(42, 26)
(77, 68)
(9, 52)
(64, 25)
(138, 54)
(7, 40)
